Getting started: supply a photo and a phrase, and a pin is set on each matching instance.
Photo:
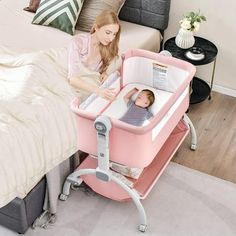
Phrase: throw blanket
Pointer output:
(37, 128)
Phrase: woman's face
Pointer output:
(107, 33)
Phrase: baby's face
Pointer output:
(142, 100)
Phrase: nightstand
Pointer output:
(201, 90)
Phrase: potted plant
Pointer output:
(188, 25)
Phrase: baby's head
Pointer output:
(145, 98)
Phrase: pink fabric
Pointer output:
(142, 148)
(149, 175)
(171, 61)
(79, 50)
(135, 146)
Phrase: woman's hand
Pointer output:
(107, 93)
(103, 77)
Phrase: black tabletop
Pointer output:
(209, 49)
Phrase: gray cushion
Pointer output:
(152, 13)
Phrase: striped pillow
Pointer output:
(60, 14)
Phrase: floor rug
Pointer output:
(184, 202)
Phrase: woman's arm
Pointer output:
(78, 47)
(128, 96)
(107, 93)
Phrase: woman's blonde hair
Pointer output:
(110, 51)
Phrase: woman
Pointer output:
(90, 55)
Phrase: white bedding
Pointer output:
(18, 34)
(37, 128)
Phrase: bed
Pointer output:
(34, 95)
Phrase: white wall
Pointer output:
(220, 28)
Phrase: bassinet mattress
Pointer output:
(118, 107)
(18, 34)
(37, 128)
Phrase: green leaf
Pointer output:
(191, 14)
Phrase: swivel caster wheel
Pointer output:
(142, 228)
(193, 147)
(75, 186)
(63, 197)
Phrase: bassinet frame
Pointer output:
(101, 168)
(103, 172)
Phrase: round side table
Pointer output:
(201, 90)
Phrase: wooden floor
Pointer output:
(215, 124)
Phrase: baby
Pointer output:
(138, 112)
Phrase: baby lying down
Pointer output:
(137, 112)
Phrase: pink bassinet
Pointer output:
(149, 147)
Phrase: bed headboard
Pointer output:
(152, 13)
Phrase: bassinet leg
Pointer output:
(134, 195)
(192, 131)
(74, 179)
(103, 126)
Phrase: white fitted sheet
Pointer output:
(118, 107)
